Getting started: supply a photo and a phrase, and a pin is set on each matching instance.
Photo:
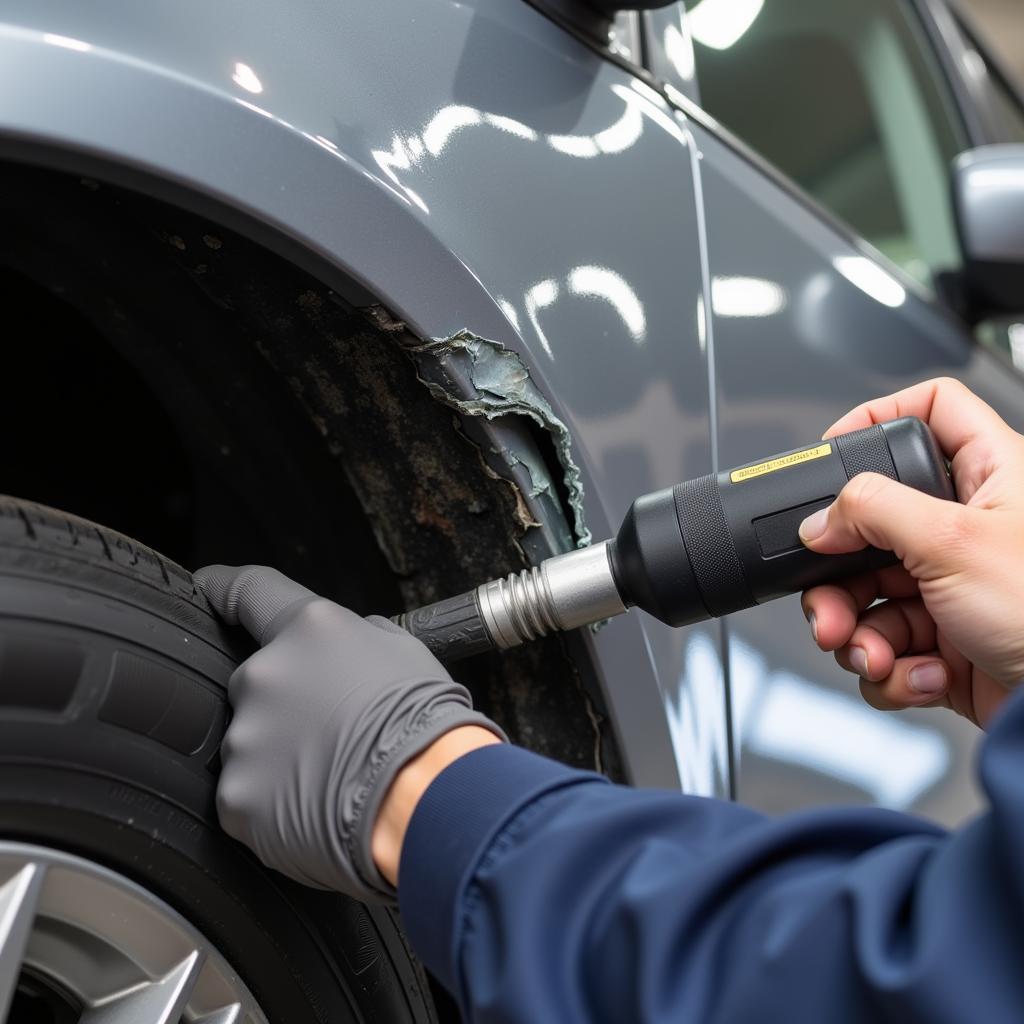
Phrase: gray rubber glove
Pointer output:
(325, 714)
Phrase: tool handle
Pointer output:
(452, 629)
(727, 541)
(699, 550)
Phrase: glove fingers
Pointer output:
(252, 596)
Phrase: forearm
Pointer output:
(622, 904)
(409, 786)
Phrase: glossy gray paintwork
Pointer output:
(407, 146)
(989, 184)
(670, 50)
(962, 69)
(472, 165)
(811, 345)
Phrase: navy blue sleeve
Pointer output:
(537, 893)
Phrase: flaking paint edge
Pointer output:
(504, 387)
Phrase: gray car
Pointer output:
(402, 296)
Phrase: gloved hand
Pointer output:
(325, 715)
(948, 633)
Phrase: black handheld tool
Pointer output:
(695, 551)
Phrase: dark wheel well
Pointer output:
(138, 400)
(162, 371)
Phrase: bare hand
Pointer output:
(948, 631)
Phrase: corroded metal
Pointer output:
(447, 503)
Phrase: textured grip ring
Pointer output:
(716, 565)
(866, 451)
(451, 629)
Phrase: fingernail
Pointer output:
(859, 661)
(814, 525)
(813, 620)
(929, 678)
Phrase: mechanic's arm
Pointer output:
(539, 893)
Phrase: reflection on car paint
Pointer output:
(720, 24)
(616, 138)
(244, 76)
(695, 702)
(604, 283)
(538, 297)
(746, 296)
(584, 281)
(872, 279)
(784, 717)
(67, 42)
(679, 50)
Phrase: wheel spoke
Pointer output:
(18, 899)
(225, 1015)
(158, 1002)
(91, 937)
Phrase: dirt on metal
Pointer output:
(444, 518)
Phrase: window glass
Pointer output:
(844, 96)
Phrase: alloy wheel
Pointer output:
(80, 943)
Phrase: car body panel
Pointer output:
(964, 70)
(473, 166)
(420, 164)
(805, 326)
(670, 50)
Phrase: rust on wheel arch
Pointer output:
(448, 505)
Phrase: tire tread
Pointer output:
(26, 524)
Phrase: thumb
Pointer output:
(250, 595)
(872, 509)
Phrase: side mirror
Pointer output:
(988, 197)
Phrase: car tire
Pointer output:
(112, 707)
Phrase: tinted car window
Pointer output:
(844, 97)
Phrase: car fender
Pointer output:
(405, 154)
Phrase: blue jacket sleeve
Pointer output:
(537, 893)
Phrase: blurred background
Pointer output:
(1000, 26)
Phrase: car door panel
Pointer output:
(807, 324)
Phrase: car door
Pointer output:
(825, 133)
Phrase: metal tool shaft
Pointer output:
(563, 592)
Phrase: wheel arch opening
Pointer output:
(180, 381)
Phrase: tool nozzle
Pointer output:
(563, 592)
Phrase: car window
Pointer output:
(846, 98)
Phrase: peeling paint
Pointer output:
(504, 388)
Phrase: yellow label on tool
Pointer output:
(737, 476)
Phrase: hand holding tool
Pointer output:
(325, 715)
(699, 550)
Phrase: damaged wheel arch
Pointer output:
(459, 471)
